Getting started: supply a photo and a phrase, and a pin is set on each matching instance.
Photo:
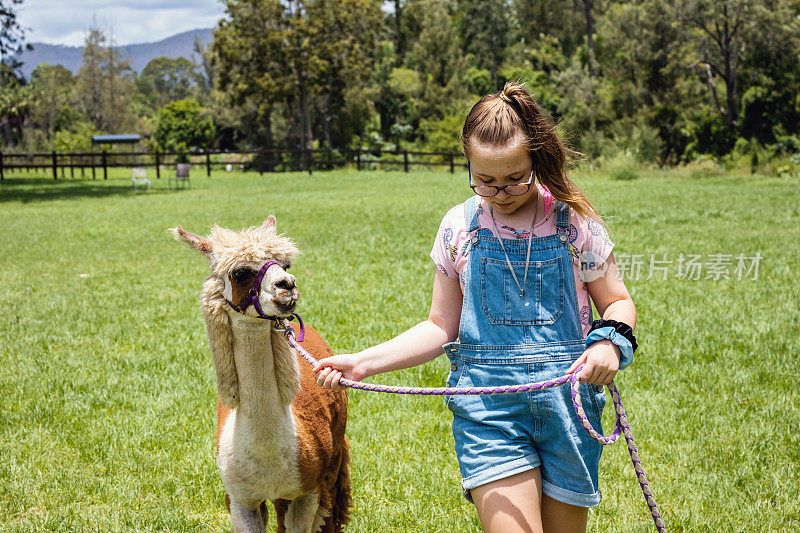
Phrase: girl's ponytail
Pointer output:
(498, 117)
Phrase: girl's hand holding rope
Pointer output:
(331, 370)
(601, 363)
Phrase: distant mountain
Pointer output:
(180, 45)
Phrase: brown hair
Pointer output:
(499, 117)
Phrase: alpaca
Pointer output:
(280, 437)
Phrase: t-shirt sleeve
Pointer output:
(443, 253)
(592, 246)
(597, 242)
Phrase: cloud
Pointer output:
(60, 22)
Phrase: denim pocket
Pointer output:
(542, 303)
(597, 396)
(457, 369)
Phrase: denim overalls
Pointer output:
(505, 339)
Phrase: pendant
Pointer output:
(522, 293)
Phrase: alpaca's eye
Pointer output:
(241, 275)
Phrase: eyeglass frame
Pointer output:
(498, 188)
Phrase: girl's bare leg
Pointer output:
(512, 504)
(560, 517)
(516, 505)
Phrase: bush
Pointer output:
(707, 134)
(180, 128)
(78, 138)
(635, 138)
(443, 134)
(622, 166)
(703, 166)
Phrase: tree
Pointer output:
(51, 89)
(301, 54)
(12, 43)
(486, 28)
(180, 127)
(165, 80)
(14, 107)
(105, 83)
(344, 33)
(246, 55)
(644, 83)
(543, 18)
(438, 59)
(770, 73)
(717, 40)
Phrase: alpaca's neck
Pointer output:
(267, 377)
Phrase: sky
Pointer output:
(131, 21)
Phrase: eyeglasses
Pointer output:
(512, 189)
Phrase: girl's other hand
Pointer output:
(331, 370)
(601, 363)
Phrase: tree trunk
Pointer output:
(386, 120)
(400, 43)
(494, 54)
(8, 133)
(295, 135)
(269, 155)
(730, 74)
(326, 122)
(587, 8)
(305, 115)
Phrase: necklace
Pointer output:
(527, 258)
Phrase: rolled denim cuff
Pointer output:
(625, 348)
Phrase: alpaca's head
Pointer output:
(236, 258)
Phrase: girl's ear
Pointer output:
(200, 244)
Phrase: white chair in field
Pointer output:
(140, 178)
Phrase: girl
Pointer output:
(515, 267)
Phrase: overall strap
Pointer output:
(562, 221)
(471, 213)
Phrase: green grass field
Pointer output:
(108, 392)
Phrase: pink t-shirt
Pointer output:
(589, 242)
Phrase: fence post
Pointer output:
(208, 164)
(158, 166)
(1, 167)
(55, 169)
(71, 168)
(358, 158)
(452, 163)
(405, 160)
(105, 168)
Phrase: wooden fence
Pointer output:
(273, 160)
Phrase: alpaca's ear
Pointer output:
(270, 223)
(198, 243)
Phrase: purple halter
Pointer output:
(251, 298)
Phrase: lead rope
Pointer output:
(621, 424)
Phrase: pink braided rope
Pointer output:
(621, 425)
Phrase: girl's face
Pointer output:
(505, 165)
